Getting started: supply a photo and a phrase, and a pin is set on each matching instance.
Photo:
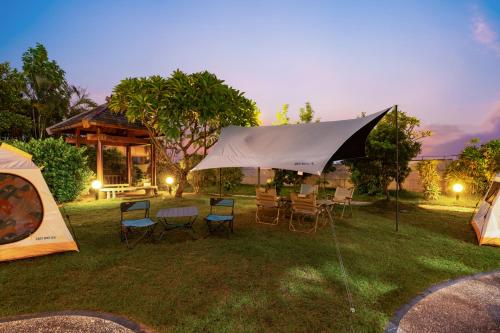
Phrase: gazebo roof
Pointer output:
(100, 116)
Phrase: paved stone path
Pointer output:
(70, 322)
(466, 305)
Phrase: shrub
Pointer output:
(430, 179)
(231, 177)
(200, 179)
(64, 167)
(476, 166)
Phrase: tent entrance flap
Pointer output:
(306, 147)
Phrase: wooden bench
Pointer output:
(112, 189)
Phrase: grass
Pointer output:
(262, 279)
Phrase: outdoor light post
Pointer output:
(457, 188)
(96, 186)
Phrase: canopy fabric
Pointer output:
(307, 147)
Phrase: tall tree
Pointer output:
(374, 173)
(80, 101)
(46, 89)
(14, 119)
(183, 113)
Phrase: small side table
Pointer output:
(170, 219)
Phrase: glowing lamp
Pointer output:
(457, 188)
(169, 180)
(96, 184)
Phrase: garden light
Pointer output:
(170, 181)
(96, 185)
(457, 188)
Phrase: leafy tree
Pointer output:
(306, 114)
(183, 113)
(80, 101)
(476, 166)
(64, 167)
(282, 117)
(374, 173)
(46, 89)
(14, 120)
(430, 179)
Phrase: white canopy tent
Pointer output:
(307, 148)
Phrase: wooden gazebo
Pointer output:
(99, 127)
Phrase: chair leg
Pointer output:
(274, 221)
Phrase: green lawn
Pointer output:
(264, 278)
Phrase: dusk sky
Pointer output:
(438, 60)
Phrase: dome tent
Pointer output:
(30, 222)
(486, 220)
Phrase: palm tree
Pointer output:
(79, 101)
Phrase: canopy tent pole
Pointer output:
(258, 177)
(397, 167)
(220, 182)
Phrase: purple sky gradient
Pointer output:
(438, 60)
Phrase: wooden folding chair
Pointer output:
(215, 220)
(306, 189)
(129, 226)
(267, 200)
(304, 206)
(343, 197)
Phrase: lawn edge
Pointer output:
(123, 321)
(393, 324)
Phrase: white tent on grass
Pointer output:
(306, 148)
(30, 222)
(486, 220)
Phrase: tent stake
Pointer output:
(397, 167)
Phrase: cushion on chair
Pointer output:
(219, 218)
(138, 223)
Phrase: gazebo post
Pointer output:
(77, 138)
(129, 165)
(100, 175)
(153, 165)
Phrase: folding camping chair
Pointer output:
(128, 226)
(343, 197)
(304, 206)
(266, 200)
(216, 221)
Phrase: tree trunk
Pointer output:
(386, 191)
(182, 184)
